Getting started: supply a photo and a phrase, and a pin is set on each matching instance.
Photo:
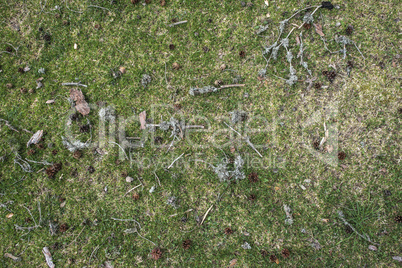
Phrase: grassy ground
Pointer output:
(366, 119)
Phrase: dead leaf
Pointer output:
(318, 29)
(277, 261)
(35, 138)
(373, 248)
(344, 166)
(49, 101)
(325, 220)
(277, 188)
(329, 148)
(9, 216)
(26, 69)
(297, 40)
(11, 256)
(83, 108)
(39, 79)
(39, 84)
(143, 117)
(80, 104)
(232, 263)
(232, 149)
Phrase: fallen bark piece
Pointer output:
(49, 101)
(48, 256)
(35, 138)
(11, 256)
(318, 29)
(80, 104)
(143, 117)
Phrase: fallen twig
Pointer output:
(48, 256)
(364, 236)
(159, 182)
(233, 85)
(74, 84)
(177, 23)
(127, 220)
(246, 139)
(9, 125)
(11, 256)
(206, 215)
(131, 190)
(120, 148)
(171, 165)
(99, 7)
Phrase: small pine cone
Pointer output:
(77, 154)
(91, 169)
(253, 177)
(348, 229)
(341, 155)
(349, 30)
(398, 219)
(273, 258)
(242, 54)
(264, 253)
(307, 26)
(23, 90)
(39, 146)
(228, 231)
(317, 85)
(187, 244)
(156, 253)
(285, 253)
(252, 197)
(21, 70)
(135, 1)
(136, 196)
(124, 174)
(31, 152)
(316, 145)
(54, 152)
(63, 227)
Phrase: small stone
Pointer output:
(338, 24)
(129, 179)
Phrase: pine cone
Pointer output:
(341, 155)
(63, 227)
(187, 244)
(228, 231)
(398, 219)
(253, 177)
(252, 197)
(285, 253)
(156, 253)
(136, 196)
(273, 258)
(31, 152)
(317, 85)
(52, 170)
(349, 30)
(77, 154)
(54, 152)
(264, 253)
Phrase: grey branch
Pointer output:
(74, 84)
(247, 139)
(8, 125)
(177, 23)
(171, 165)
(364, 236)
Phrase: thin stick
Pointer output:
(127, 220)
(246, 139)
(233, 85)
(8, 124)
(99, 7)
(80, 12)
(177, 23)
(365, 236)
(31, 215)
(112, 142)
(76, 237)
(159, 182)
(90, 257)
(16, 49)
(206, 215)
(131, 189)
(40, 213)
(36, 162)
(145, 238)
(74, 84)
(175, 161)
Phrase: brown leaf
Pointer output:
(9, 216)
(232, 149)
(297, 40)
(318, 29)
(80, 104)
(143, 117)
(82, 107)
(35, 138)
(232, 262)
(76, 95)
